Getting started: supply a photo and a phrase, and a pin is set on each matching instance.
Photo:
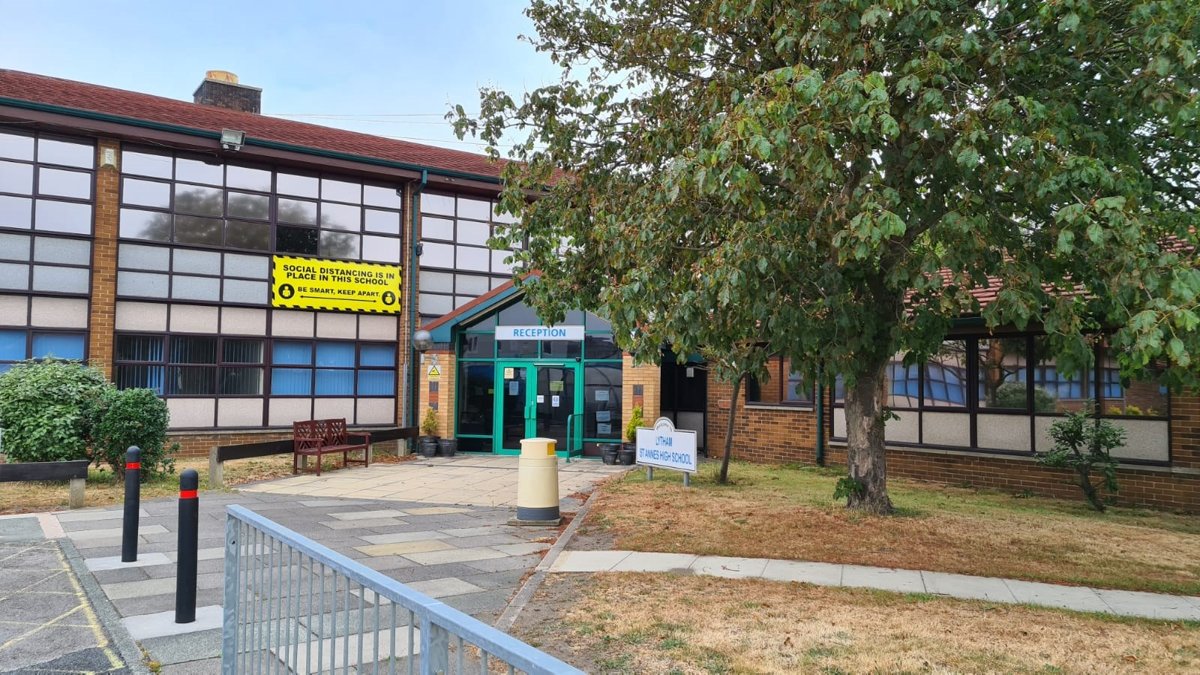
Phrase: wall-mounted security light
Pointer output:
(232, 139)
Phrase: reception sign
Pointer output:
(308, 283)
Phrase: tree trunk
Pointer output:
(864, 442)
(733, 401)
(1089, 490)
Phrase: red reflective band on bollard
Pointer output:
(188, 494)
(130, 466)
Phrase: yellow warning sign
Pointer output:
(434, 373)
(309, 283)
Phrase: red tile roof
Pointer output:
(128, 104)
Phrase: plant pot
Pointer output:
(447, 447)
(628, 454)
(428, 446)
(609, 452)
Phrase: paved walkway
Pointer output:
(473, 480)
(1077, 598)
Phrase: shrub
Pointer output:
(635, 421)
(429, 425)
(46, 409)
(126, 417)
(1012, 395)
(1084, 443)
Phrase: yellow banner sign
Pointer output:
(308, 283)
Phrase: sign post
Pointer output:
(665, 447)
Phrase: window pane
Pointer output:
(242, 351)
(335, 354)
(291, 381)
(797, 390)
(517, 348)
(291, 184)
(377, 355)
(16, 212)
(197, 262)
(437, 228)
(945, 375)
(145, 377)
(438, 204)
(1054, 390)
(146, 164)
(199, 200)
(341, 191)
(65, 251)
(146, 193)
(244, 205)
(475, 209)
(377, 383)
(339, 245)
(13, 276)
(471, 258)
(519, 314)
(297, 211)
(64, 217)
(437, 255)
(248, 179)
(291, 353)
(341, 217)
(248, 266)
(602, 401)
(1146, 396)
(242, 381)
(195, 288)
(568, 349)
(1003, 373)
(52, 151)
(248, 292)
(600, 347)
(382, 249)
(378, 195)
(60, 279)
(142, 284)
(196, 171)
(434, 304)
(16, 178)
(16, 146)
(476, 398)
(335, 382)
(387, 222)
(196, 230)
(255, 236)
(139, 348)
(193, 350)
(60, 183)
(145, 225)
(191, 380)
(478, 345)
(296, 240)
(903, 383)
(473, 233)
(58, 345)
(15, 246)
(12, 345)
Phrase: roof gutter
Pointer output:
(250, 141)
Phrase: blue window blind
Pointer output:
(59, 345)
(335, 354)
(12, 345)
(377, 382)
(288, 353)
(377, 355)
(291, 381)
(331, 382)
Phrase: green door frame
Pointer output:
(531, 387)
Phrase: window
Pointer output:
(774, 388)
(46, 183)
(19, 344)
(946, 376)
(456, 264)
(187, 365)
(329, 368)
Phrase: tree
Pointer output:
(1084, 443)
(841, 175)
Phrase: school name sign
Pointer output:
(308, 283)
(666, 447)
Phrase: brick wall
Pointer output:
(649, 378)
(104, 260)
(776, 435)
(445, 390)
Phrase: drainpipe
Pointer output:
(414, 386)
(820, 417)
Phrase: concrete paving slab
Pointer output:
(400, 537)
(362, 524)
(114, 562)
(162, 623)
(968, 587)
(436, 511)
(404, 548)
(1076, 598)
(1151, 605)
(883, 578)
(524, 548)
(82, 536)
(820, 574)
(149, 587)
(729, 568)
(367, 515)
(331, 653)
(656, 562)
(445, 587)
(453, 555)
(194, 646)
(65, 517)
(495, 565)
(205, 667)
(588, 561)
(20, 529)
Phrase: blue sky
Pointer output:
(387, 67)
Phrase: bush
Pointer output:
(1084, 443)
(635, 421)
(429, 425)
(126, 417)
(46, 409)
(1012, 395)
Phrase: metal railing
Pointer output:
(295, 606)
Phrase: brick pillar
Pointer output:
(104, 259)
(443, 396)
(640, 385)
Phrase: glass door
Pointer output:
(538, 400)
(555, 405)
(515, 412)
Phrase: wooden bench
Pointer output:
(74, 471)
(313, 438)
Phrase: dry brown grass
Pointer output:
(104, 489)
(647, 623)
(782, 512)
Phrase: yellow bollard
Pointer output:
(537, 483)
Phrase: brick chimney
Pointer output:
(220, 89)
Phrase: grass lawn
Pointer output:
(788, 512)
(661, 623)
(103, 488)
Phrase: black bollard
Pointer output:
(189, 525)
(133, 506)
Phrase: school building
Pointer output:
(256, 271)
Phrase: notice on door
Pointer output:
(309, 283)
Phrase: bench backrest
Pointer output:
(318, 433)
(335, 431)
